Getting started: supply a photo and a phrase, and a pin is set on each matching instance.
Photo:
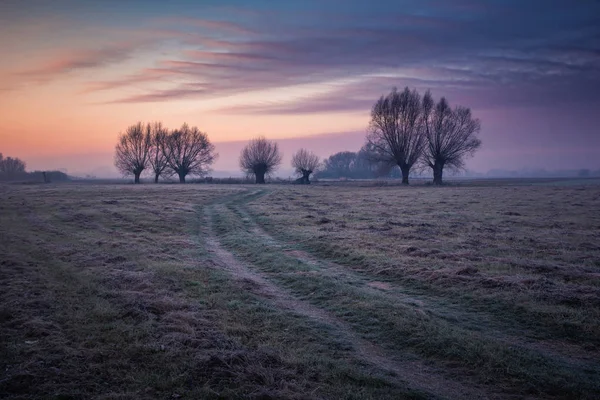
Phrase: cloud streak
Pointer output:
(68, 62)
(475, 47)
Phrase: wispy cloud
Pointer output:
(70, 61)
(473, 46)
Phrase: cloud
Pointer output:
(69, 61)
(182, 92)
(472, 47)
(478, 47)
(206, 24)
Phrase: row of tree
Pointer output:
(406, 130)
(182, 152)
(188, 151)
(261, 157)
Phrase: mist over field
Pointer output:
(318, 199)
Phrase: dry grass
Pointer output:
(108, 292)
(115, 291)
(531, 250)
(496, 269)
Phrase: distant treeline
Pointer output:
(536, 173)
(13, 169)
(356, 165)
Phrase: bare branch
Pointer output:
(188, 151)
(305, 163)
(132, 150)
(11, 168)
(260, 157)
(450, 137)
(157, 158)
(396, 131)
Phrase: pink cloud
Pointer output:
(69, 61)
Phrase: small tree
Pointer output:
(370, 161)
(340, 164)
(305, 163)
(396, 131)
(188, 152)
(132, 151)
(450, 137)
(260, 157)
(11, 167)
(157, 159)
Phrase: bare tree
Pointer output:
(11, 167)
(260, 157)
(157, 159)
(305, 163)
(132, 151)
(188, 152)
(450, 136)
(396, 130)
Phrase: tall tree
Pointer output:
(396, 129)
(157, 159)
(305, 163)
(132, 151)
(260, 157)
(189, 152)
(450, 136)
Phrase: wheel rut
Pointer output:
(569, 354)
(409, 371)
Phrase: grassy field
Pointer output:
(343, 291)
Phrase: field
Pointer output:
(321, 291)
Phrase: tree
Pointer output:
(11, 167)
(369, 161)
(132, 151)
(260, 157)
(305, 162)
(449, 137)
(340, 164)
(396, 129)
(188, 152)
(157, 158)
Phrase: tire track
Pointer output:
(570, 354)
(412, 372)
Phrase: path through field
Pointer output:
(390, 326)
(412, 372)
(216, 291)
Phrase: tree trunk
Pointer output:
(405, 171)
(156, 178)
(260, 177)
(181, 177)
(306, 178)
(136, 177)
(438, 169)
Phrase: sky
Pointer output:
(305, 73)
